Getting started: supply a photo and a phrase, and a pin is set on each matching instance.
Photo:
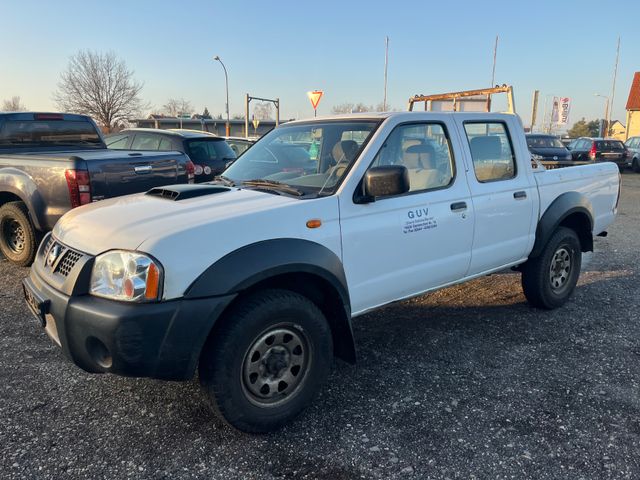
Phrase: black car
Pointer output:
(588, 149)
(209, 153)
(547, 148)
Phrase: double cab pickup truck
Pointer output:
(53, 162)
(253, 280)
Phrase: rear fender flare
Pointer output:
(561, 208)
(18, 183)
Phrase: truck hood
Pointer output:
(126, 222)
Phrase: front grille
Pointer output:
(68, 261)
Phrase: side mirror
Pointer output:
(384, 182)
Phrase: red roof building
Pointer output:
(633, 108)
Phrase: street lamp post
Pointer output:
(226, 82)
(604, 125)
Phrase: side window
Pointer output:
(491, 151)
(119, 142)
(145, 142)
(424, 149)
(165, 145)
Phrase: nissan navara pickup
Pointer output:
(253, 280)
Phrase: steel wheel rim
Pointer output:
(560, 269)
(14, 235)
(275, 365)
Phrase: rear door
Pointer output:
(502, 191)
(400, 246)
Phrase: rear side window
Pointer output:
(117, 142)
(204, 150)
(491, 151)
(166, 144)
(52, 132)
(143, 141)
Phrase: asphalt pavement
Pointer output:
(468, 382)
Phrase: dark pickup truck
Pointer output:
(53, 162)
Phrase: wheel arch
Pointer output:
(572, 210)
(302, 266)
(17, 186)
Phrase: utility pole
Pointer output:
(493, 73)
(386, 64)
(613, 90)
(534, 109)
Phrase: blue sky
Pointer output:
(283, 49)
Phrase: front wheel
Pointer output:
(636, 165)
(549, 279)
(267, 360)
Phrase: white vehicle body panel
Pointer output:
(381, 262)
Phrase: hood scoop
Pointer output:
(186, 191)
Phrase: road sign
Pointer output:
(256, 122)
(315, 97)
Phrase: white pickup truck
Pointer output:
(253, 279)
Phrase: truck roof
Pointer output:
(49, 116)
(404, 114)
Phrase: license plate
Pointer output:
(38, 306)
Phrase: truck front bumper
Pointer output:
(158, 340)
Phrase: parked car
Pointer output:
(53, 162)
(239, 144)
(633, 157)
(547, 148)
(253, 280)
(209, 153)
(589, 149)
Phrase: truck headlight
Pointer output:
(126, 276)
(537, 157)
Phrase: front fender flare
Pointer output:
(243, 268)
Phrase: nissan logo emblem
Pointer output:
(54, 253)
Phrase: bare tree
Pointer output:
(351, 108)
(262, 111)
(177, 106)
(99, 85)
(13, 104)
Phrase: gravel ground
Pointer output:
(468, 382)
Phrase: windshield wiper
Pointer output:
(273, 185)
(225, 180)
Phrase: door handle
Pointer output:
(143, 169)
(520, 195)
(458, 206)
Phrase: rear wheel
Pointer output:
(18, 241)
(549, 279)
(267, 360)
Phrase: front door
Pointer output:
(400, 246)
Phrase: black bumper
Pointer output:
(157, 340)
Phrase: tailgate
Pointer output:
(122, 172)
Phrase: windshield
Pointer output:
(54, 132)
(203, 150)
(312, 157)
(238, 146)
(544, 142)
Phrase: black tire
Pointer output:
(237, 360)
(636, 165)
(18, 239)
(548, 280)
